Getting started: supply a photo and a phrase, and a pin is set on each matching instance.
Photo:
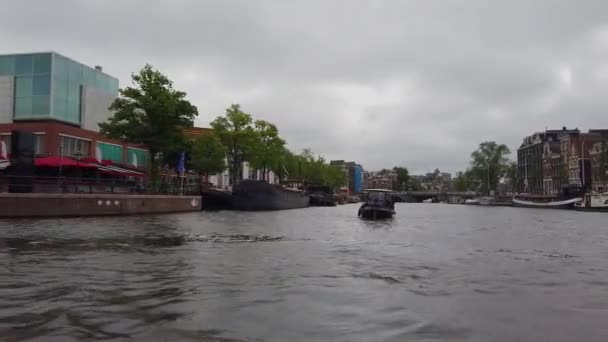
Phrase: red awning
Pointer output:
(58, 161)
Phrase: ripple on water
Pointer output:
(305, 275)
(433, 331)
(125, 243)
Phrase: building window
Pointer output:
(5, 141)
(74, 147)
(137, 157)
(110, 152)
(5, 148)
(39, 144)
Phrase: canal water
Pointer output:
(434, 273)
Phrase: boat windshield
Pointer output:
(376, 196)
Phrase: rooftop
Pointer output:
(194, 132)
(58, 54)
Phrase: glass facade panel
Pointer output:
(24, 65)
(110, 152)
(75, 72)
(88, 77)
(42, 85)
(60, 107)
(73, 91)
(60, 67)
(60, 87)
(32, 84)
(7, 65)
(73, 112)
(45, 76)
(23, 107)
(41, 105)
(42, 63)
(23, 86)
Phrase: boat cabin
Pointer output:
(595, 200)
(379, 196)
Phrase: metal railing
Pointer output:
(80, 185)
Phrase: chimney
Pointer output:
(98, 68)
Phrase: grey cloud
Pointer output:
(414, 83)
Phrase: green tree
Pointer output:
(403, 178)
(511, 176)
(489, 163)
(414, 185)
(208, 154)
(266, 151)
(236, 132)
(312, 169)
(603, 160)
(334, 177)
(462, 181)
(150, 112)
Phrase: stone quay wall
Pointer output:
(66, 205)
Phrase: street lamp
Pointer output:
(78, 156)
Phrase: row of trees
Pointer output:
(489, 165)
(151, 112)
(258, 142)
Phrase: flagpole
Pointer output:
(182, 169)
(181, 185)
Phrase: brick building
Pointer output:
(62, 102)
(530, 159)
(553, 174)
(380, 180)
(598, 155)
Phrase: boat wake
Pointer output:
(127, 243)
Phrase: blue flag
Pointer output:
(181, 168)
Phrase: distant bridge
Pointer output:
(419, 196)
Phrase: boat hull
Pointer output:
(261, 196)
(375, 213)
(322, 201)
(566, 204)
(215, 199)
(592, 209)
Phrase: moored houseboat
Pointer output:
(544, 201)
(322, 196)
(256, 195)
(213, 198)
(593, 202)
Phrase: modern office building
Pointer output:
(62, 101)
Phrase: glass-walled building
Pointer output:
(51, 86)
(62, 101)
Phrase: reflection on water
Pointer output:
(432, 273)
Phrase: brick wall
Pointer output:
(64, 205)
(53, 130)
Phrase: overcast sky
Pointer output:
(383, 83)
